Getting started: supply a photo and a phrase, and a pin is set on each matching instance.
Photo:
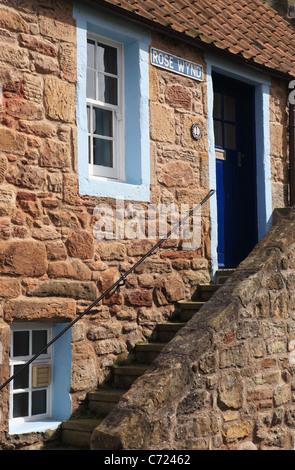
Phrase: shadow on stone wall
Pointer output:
(226, 381)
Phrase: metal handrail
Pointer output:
(115, 286)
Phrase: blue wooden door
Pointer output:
(234, 130)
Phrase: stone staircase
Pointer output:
(76, 433)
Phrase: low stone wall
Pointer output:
(226, 381)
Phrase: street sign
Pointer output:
(176, 64)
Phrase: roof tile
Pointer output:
(246, 27)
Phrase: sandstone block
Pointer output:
(140, 297)
(57, 29)
(59, 98)
(108, 278)
(233, 356)
(146, 281)
(12, 20)
(23, 109)
(45, 64)
(26, 176)
(261, 393)
(33, 208)
(267, 377)
(182, 254)
(230, 390)
(153, 266)
(10, 79)
(68, 62)
(9, 288)
(84, 372)
(70, 188)
(177, 174)
(282, 394)
(40, 128)
(16, 57)
(7, 201)
(64, 218)
(202, 425)
(80, 245)
(56, 250)
(75, 269)
(11, 141)
(149, 315)
(3, 168)
(110, 346)
(104, 332)
(111, 251)
(33, 88)
(169, 289)
(54, 154)
(162, 123)
(73, 289)
(23, 258)
(139, 247)
(55, 182)
(238, 431)
(179, 97)
(37, 44)
(51, 309)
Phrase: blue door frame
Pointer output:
(234, 130)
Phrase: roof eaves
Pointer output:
(193, 36)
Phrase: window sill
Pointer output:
(33, 426)
(115, 189)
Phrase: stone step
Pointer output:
(124, 376)
(145, 353)
(223, 274)
(204, 292)
(187, 308)
(104, 400)
(165, 332)
(77, 432)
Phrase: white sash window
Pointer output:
(104, 91)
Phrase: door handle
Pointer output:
(240, 159)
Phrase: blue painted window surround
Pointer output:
(61, 383)
(136, 41)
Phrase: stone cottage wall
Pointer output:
(279, 143)
(226, 381)
(51, 265)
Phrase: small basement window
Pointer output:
(31, 395)
(39, 395)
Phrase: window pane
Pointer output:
(103, 152)
(21, 343)
(39, 341)
(20, 404)
(229, 108)
(107, 89)
(218, 133)
(39, 402)
(89, 149)
(88, 119)
(217, 109)
(90, 53)
(90, 84)
(230, 136)
(22, 380)
(102, 122)
(106, 59)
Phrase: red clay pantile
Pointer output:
(247, 28)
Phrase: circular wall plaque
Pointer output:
(196, 131)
